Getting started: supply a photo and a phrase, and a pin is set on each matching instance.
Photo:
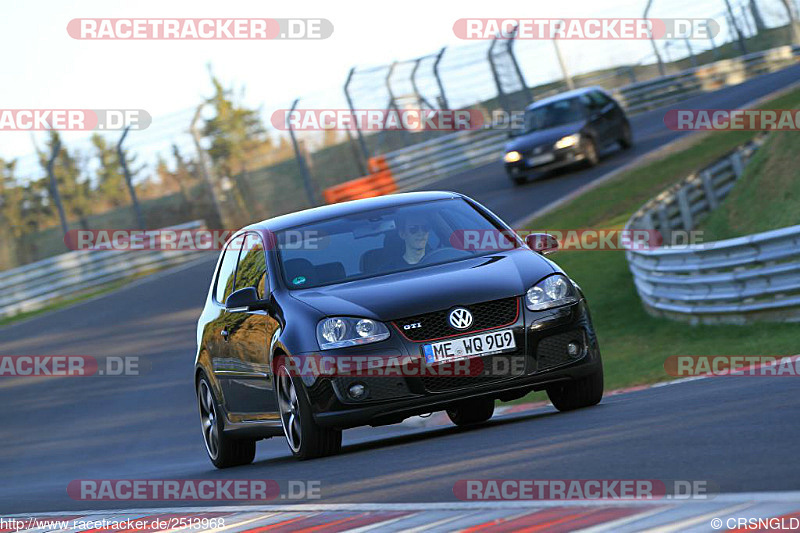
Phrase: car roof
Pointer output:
(565, 95)
(343, 209)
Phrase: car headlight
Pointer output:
(566, 142)
(552, 291)
(512, 157)
(339, 332)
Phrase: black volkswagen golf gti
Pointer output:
(431, 289)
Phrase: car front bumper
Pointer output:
(560, 158)
(540, 337)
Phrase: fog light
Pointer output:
(357, 391)
(573, 349)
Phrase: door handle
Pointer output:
(225, 333)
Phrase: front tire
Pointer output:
(590, 155)
(223, 450)
(519, 180)
(626, 141)
(305, 438)
(470, 412)
(579, 393)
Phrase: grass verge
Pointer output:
(767, 196)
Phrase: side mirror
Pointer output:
(544, 243)
(243, 300)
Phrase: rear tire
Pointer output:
(469, 412)
(305, 438)
(579, 393)
(223, 450)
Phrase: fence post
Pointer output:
(203, 164)
(510, 49)
(692, 58)
(714, 47)
(54, 186)
(739, 36)
(301, 161)
(661, 70)
(737, 163)
(563, 65)
(420, 99)
(708, 187)
(685, 209)
(501, 95)
(359, 135)
(442, 94)
(125, 172)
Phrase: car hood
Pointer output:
(404, 294)
(548, 136)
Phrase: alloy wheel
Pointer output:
(289, 406)
(208, 419)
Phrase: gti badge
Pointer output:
(460, 318)
(415, 325)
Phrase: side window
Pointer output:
(226, 270)
(252, 269)
(600, 100)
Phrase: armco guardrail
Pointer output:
(33, 286)
(438, 158)
(426, 162)
(756, 277)
(649, 94)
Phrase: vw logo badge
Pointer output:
(460, 318)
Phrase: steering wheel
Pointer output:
(443, 254)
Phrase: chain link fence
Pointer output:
(176, 181)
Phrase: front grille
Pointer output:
(552, 351)
(485, 315)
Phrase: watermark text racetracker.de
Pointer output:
(581, 489)
(70, 366)
(604, 239)
(189, 240)
(378, 119)
(586, 28)
(732, 119)
(442, 360)
(73, 119)
(199, 29)
(732, 365)
(193, 489)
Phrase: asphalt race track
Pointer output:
(737, 433)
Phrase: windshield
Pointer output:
(382, 241)
(554, 114)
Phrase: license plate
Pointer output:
(483, 344)
(540, 159)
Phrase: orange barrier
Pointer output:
(378, 183)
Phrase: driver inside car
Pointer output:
(414, 234)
